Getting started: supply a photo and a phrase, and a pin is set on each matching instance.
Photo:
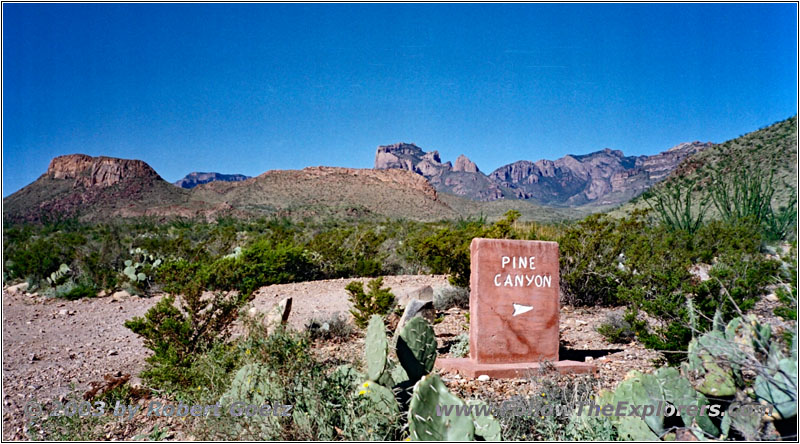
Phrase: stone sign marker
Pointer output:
(514, 310)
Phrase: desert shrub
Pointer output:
(175, 275)
(460, 348)
(447, 251)
(673, 205)
(567, 392)
(280, 369)
(740, 194)
(377, 300)
(349, 251)
(592, 259)
(616, 329)
(176, 333)
(334, 327)
(787, 288)
(447, 297)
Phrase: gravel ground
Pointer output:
(52, 348)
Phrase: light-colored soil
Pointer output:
(53, 348)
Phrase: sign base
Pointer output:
(472, 369)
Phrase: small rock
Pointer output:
(483, 378)
(120, 296)
(579, 322)
(19, 288)
(772, 297)
(112, 353)
(589, 359)
(63, 312)
(33, 357)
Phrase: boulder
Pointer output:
(415, 308)
(424, 293)
(19, 288)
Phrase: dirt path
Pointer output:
(52, 348)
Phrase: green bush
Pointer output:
(447, 251)
(376, 301)
(177, 333)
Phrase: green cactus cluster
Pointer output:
(717, 366)
(135, 269)
(414, 389)
(57, 277)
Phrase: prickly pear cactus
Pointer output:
(377, 348)
(254, 384)
(424, 424)
(416, 348)
(486, 426)
(380, 398)
(639, 389)
(678, 391)
(779, 387)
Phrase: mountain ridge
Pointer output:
(603, 177)
(196, 178)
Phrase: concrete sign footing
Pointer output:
(470, 369)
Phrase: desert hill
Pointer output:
(772, 149)
(96, 188)
(327, 191)
(102, 188)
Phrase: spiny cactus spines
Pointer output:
(486, 426)
(377, 348)
(424, 424)
(416, 348)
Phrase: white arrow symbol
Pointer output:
(519, 309)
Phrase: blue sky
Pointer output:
(252, 87)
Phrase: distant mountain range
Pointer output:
(606, 177)
(194, 179)
(406, 182)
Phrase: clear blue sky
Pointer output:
(252, 87)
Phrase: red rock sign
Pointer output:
(514, 301)
(514, 310)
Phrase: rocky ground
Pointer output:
(55, 348)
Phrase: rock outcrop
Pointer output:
(194, 179)
(88, 171)
(464, 164)
(463, 179)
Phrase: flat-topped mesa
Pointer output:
(99, 171)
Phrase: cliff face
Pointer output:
(100, 171)
(605, 177)
(90, 188)
(464, 179)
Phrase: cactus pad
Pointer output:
(416, 348)
(377, 348)
(424, 424)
